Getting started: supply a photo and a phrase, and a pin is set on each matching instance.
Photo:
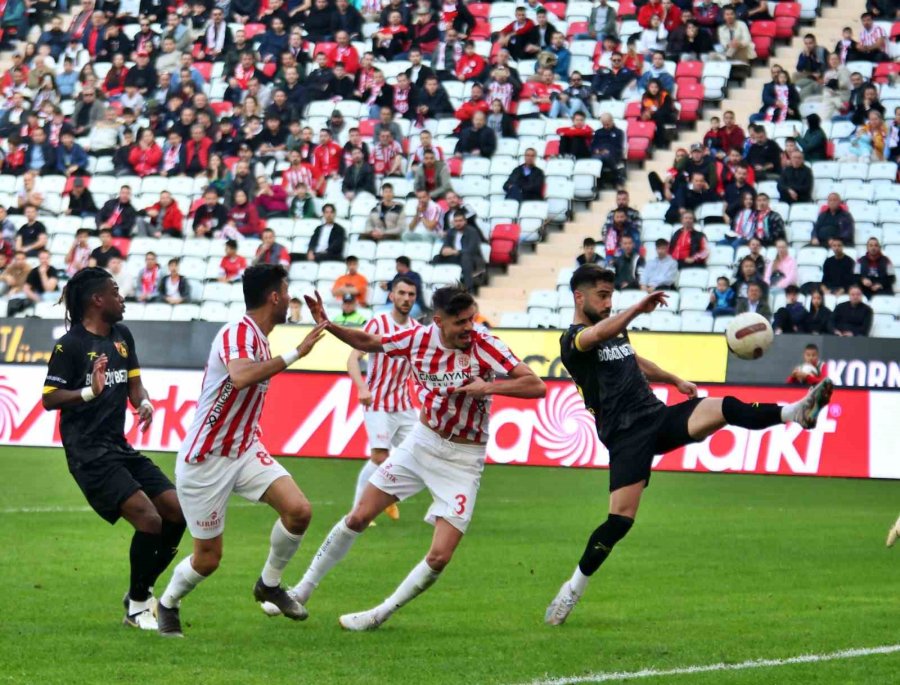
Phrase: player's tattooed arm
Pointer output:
(655, 374)
(588, 338)
(357, 339)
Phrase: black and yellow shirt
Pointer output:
(612, 384)
(91, 429)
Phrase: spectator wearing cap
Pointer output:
(875, 271)
(349, 315)
(852, 318)
(660, 272)
(833, 222)
(688, 245)
(351, 283)
(526, 182)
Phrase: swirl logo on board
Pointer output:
(566, 430)
(9, 407)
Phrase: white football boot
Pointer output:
(561, 606)
(364, 620)
(893, 533)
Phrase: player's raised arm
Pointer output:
(357, 339)
(245, 372)
(655, 374)
(521, 382)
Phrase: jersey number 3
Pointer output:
(460, 505)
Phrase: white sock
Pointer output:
(578, 582)
(184, 579)
(335, 548)
(419, 579)
(283, 545)
(789, 411)
(362, 480)
(137, 607)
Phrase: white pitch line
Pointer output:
(742, 666)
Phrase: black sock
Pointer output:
(754, 416)
(143, 559)
(602, 542)
(167, 548)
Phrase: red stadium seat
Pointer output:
(763, 29)
(633, 111)
(220, 108)
(884, 70)
(691, 68)
(123, 245)
(784, 27)
(895, 30)
(552, 149)
(557, 8)
(627, 8)
(253, 30)
(480, 9)
(455, 166)
(507, 232)
(682, 81)
(641, 129)
(367, 128)
(576, 28)
(829, 149)
(325, 47)
(690, 91)
(787, 9)
(205, 69)
(763, 45)
(638, 149)
(482, 29)
(528, 89)
(505, 243)
(690, 97)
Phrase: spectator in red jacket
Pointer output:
(471, 66)
(476, 103)
(343, 52)
(162, 218)
(243, 217)
(672, 18)
(654, 7)
(271, 200)
(114, 82)
(514, 37)
(327, 157)
(196, 152)
(543, 90)
(575, 140)
(146, 156)
(688, 245)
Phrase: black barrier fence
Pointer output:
(852, 362)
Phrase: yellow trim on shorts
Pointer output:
(134, 373)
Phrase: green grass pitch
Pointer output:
(717, 569)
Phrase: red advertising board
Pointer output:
(317, 415)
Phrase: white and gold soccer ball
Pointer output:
(749, 335)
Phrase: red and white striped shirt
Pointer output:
(294, 176)
(383, 156)
(440, 370)
(227, 419)
(388, 378)
(872, 36)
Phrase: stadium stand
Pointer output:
(175, 101)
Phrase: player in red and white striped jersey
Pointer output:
(222, 453)
(389, 412)
(455, 367)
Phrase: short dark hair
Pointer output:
(662, 242)
(792, 290)
(723, 278)
(812, 346)
(452, 299)
(174, 261)
(260, 280)
(405, 280)
(351, 258)
(589, 274)
(405, 261)
(588, 242)
(231, 243)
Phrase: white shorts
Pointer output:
(451, 472)
(204, 488)
(388, 429)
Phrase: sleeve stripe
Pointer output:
(242, 341)
(48, 389)
(577, 340)
(226, 357)
(134, 373)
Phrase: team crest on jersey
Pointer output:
(463, 361)
(121, 348)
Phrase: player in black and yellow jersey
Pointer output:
(631, 421)
(93, 373)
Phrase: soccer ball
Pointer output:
(749, 335)
(808, 369)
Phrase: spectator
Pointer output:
(40, 156)
(386, 221)
(869, 142)
(477, 140)
(432, 176)
(651, 39)
(271, 200)
(692, 197)
(589, 254)
(657, 70)
(781, 272)
(818, 320)
(575, 140)
(628, 266)
(608, 146)
(173, 288)
(614, 232)
(609, 83)
(210, 217)
(839, 270)
(813, 141)
(602, 21)
(295, 307)
(872, 42)
(722, 298)
(232, 266)
(101, 254)
(784, 101)
(660, 272)
(42, 282)
(811, 66)
(796, 181)
(327, 242)
(431, 101)
(426, 222)
(271, 252)
(875, 271)
(571, 100)
(302, 205)
(351, 283)
(404, 270)
(517, 37)
(349, 316)
(755, 302)
(812, 371)
(81, 202)
(118, 214)
(242, 217)
(12, 282)
(526, 182)
(32, 236)
(71, 159)
(148, 279)
(632, 215)
(79, 255)
(697, 43)
(852, 318)
(748, 272)
(769, 223)
(470, 66)
(102, 135)
(392, 39)
(737, 190)
(688, 245)
(161, 218)
(792, 316)
(387, 155)
(833, 222)
(763, 154)
(462, 246)
(359, 177)
(734, 37)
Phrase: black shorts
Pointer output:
(631, 451)
(109, 480)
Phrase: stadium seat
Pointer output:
(720, 323)
(543, 299)
(664, 321)
(696, 322)
(693, 278)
